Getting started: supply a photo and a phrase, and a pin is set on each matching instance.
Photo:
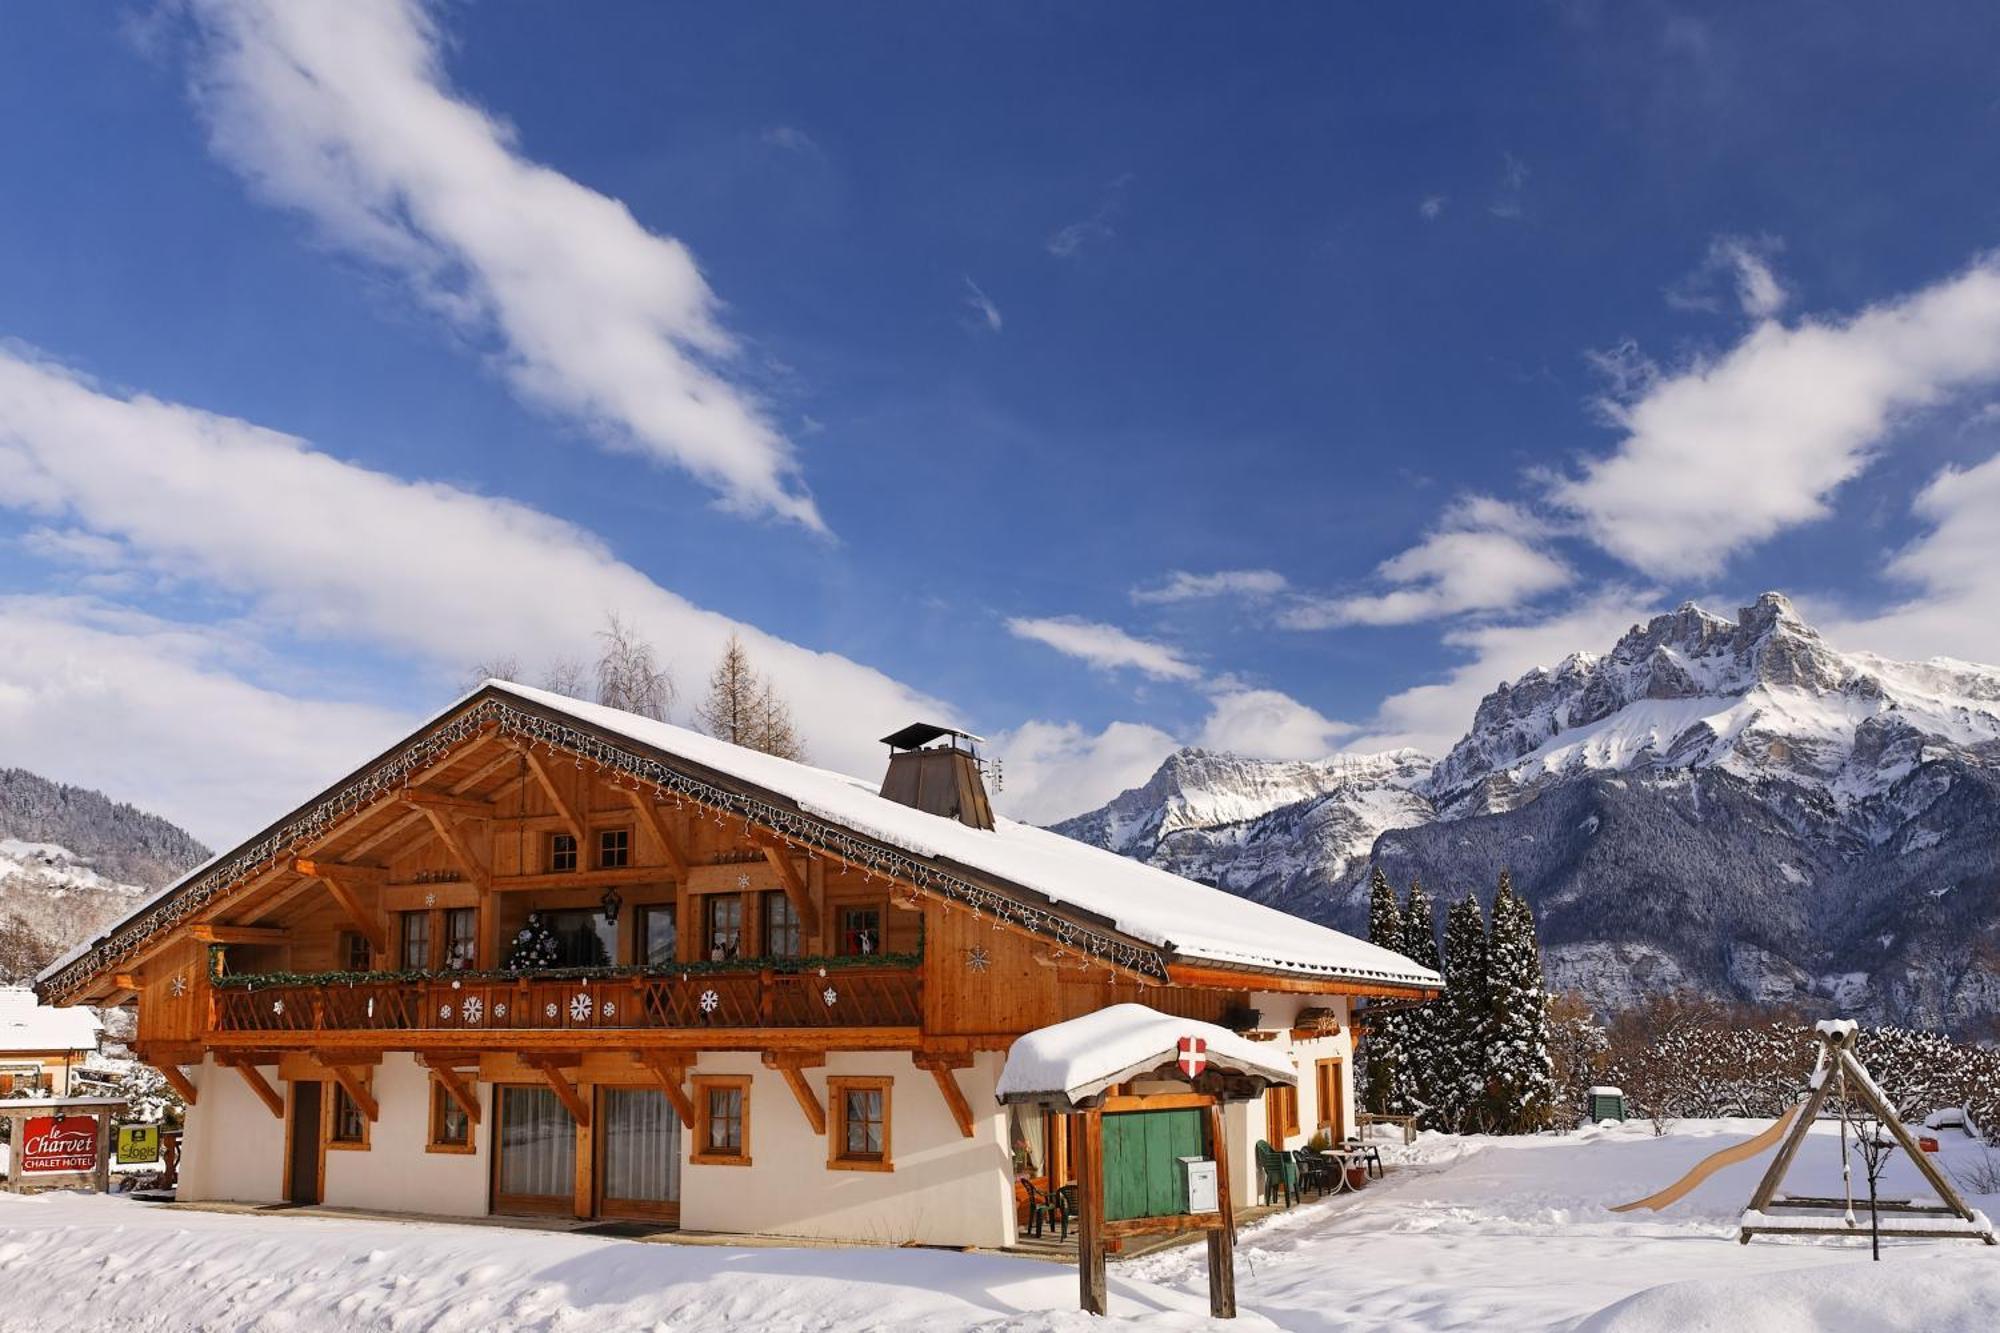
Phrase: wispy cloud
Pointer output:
(341, 109)
(1742, 262)
(1954, 568)
(1730, 451)
(1431, 207)
(1104, 646)
(1510, 195)
(790, 138)
(1241, 584)
(1484, 555)
(982, 307)
(1069, 241)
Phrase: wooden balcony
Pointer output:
(473, 1006)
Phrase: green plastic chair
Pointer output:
(1280, 1174)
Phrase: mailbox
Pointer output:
(1198, 1184)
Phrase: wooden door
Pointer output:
(534, 1151)
(302, 1143)
(1332, 1107)
(638, 1155)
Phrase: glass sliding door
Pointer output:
(640, 1164)
(535, 1165)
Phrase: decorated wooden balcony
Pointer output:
(833, 993)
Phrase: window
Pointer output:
(722, 1120)
(355, 956)
(1326, 1087)
(781, 926)
(451, 1127)
(1281, 1113)
(723, 926)
(416, 954)
(861, 929)
(461, 938)
(659, 936)
(614, 848)
(583, 938)
(346, 1127)
(562, 852)
(858, 1139)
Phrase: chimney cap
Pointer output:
(919, 734)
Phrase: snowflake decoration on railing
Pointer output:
(500, 1009)
(580, 1008)
(278, 1008)
(444, 1011)
(549, 1010)
(473, 1008)
(829, 995)
(610, 1009)
(710, 1001)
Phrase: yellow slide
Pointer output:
(1713, 1163)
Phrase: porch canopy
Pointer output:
(1070, 1066)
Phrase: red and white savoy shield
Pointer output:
(1192, 1056)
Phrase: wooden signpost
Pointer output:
(60, 1142)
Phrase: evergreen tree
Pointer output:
(1521, 1071)
(1382, 1051)
(1466, 1005)
(1423, 1036)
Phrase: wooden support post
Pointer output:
(265, 1092)
(218, 933)
(1774, 1174)
(177, 1080)
(458, 1089)
(655, 821)
(1222, 1239)
(550, 1067)
(1858, 1078)
(671, 1077)
(940, 1067)
(780, 858)
(455, 843)
(1092, 1294)
(793, 1065)
(564, 810)
(340, 883)
(357, 1091)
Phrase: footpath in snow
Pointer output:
(1473, 1233)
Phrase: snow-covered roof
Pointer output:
(28, 1026)
(1069, 1061)
(1190, 920)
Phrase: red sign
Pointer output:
(1193, 1056)
(66, 1144)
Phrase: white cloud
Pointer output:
(1432, 717)
(336, 552)
(1069, 241)
(1955, 568)
(1057, 769)
(1431, 208)
(1746, 263)
(1104, 646)
(982, 306)
(340, 109)
(790, 138)
(1246, 584)
(1267, 724)
(1485, 555)
(1509, 196)
(152, 713)
(1732, 451)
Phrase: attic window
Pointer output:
(562, 852)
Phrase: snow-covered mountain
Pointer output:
(71, 862)
(1729, 805)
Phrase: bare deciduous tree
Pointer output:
(505, 666)
(629, 676)
(565, 675)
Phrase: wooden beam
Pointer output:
(526, 1040)
(340, 883)
(549, 789)
(227, 934)
(459, 1089)
(455, 843)
(265, 1092)
(131, 981)
(551, 1069)
(483, 772)
(383, 834)
(671, 1076)
(578, 879)
(1228, 978)
(655, 821)
(178, 1080)
(780, 858)
(357, 1090)
(947, 1082)
(793, 1065)
(352, 872)
(418, 799)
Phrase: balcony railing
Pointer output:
(823, 994)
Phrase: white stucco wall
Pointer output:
(232, 1147)
(395, 1172)
(946, 1189)
(1245, 1123)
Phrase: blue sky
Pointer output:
(1107, 378)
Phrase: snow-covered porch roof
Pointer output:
(1070, 1064)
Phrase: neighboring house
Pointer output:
(40, 1045)
(548, 957)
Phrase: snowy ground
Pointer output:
(1477, 1233)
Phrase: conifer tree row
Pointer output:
(1382, 1049)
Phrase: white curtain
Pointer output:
(537, 1145)
(642, 1146)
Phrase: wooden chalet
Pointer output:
(546, 957)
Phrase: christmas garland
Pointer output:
(785, 965)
